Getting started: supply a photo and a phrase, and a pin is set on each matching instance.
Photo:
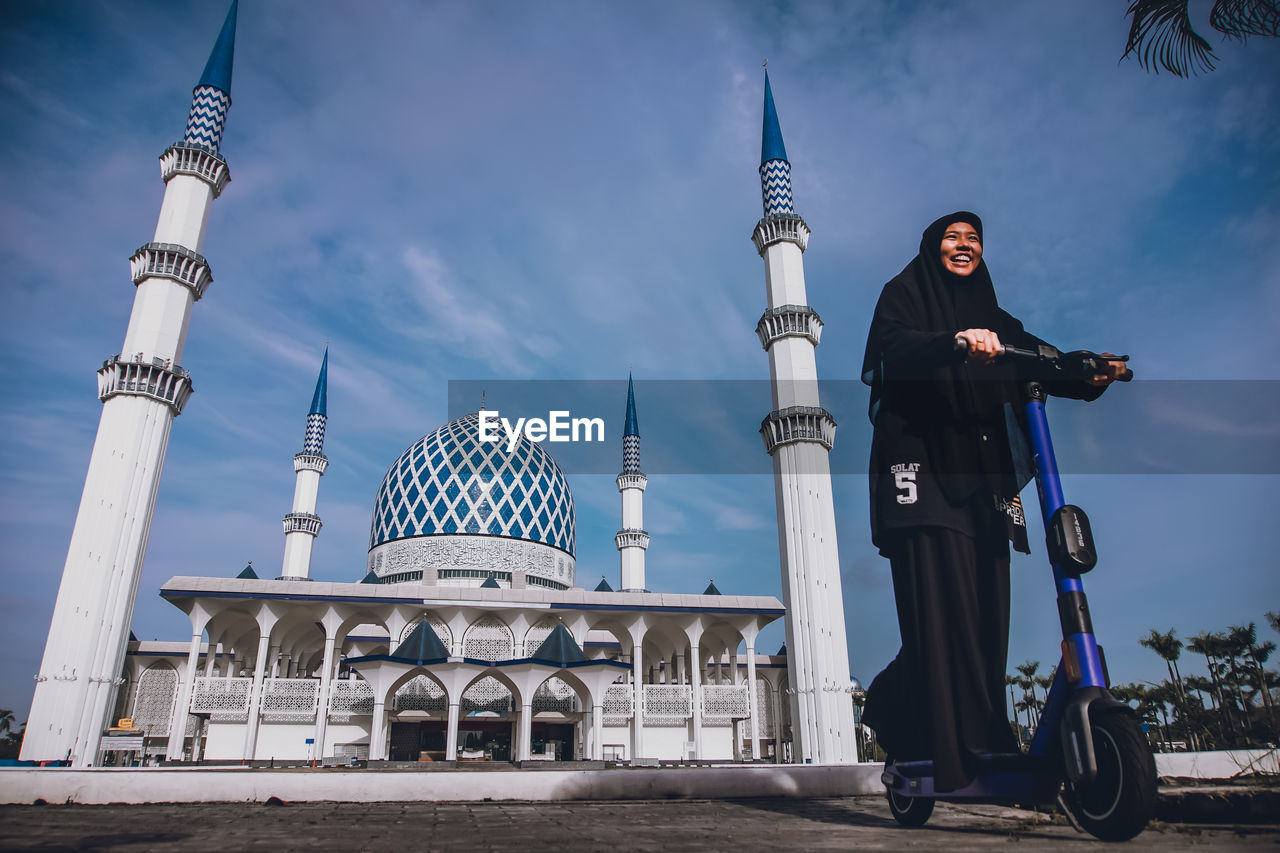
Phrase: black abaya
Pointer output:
(944, 484)
(943, 696)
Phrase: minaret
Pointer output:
(142, 390)
(798, 434)
(303, 525)
(631, 540)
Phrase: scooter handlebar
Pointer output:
(1053, 363)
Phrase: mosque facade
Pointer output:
(466, 636)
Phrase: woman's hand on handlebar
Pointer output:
(1112, 369)
(983, 344)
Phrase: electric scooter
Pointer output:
(1088, 752)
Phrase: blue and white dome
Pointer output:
(456, 510)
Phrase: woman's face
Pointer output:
(961, 248)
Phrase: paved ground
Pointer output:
(668, 826)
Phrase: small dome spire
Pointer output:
(632, 426)
(319, 401)
(559, 648)
(217, 71)
(771, 147)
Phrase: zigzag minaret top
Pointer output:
(211, 97)
(775, 169)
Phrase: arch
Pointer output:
(491, 691)
(153, 702)
(488, 638)
(437, 624)
(538, 633)
(561, 692)
(420, 692)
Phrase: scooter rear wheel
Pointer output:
(909, 811)
(1120, 801)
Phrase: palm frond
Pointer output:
(1161, 36)
(1241, 18)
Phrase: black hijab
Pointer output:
(911, 365)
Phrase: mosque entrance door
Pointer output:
(553, 741)
(418, 741)
(484, 740)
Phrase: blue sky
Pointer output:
(498, 191)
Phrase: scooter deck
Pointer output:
(1014, 778)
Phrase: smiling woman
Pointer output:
(944, 485)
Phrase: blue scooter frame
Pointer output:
(1085, 738)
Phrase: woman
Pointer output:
(944, 481)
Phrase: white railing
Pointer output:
(779, 227)
(290, 700)
(350, 699)
(724, 703)
(617, 704)
(789, 321)
(169, 260)
(157, 379)
(667, 704)
(227, 699)
(798, 423)
(183, 159)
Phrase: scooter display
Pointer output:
(1088, 752)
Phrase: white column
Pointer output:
(378, 731)
(695, 671)
(753, 696)
(326, 681)
(182, 705)
(637, 702)
(778, 699)
(451, 734)
(525, 737)
(255, 697)
(210, 657)
(597, 732)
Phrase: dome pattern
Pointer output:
(450, 482)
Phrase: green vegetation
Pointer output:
(1234, 708)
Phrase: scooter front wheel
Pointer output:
(1120, 801)
(909, 811)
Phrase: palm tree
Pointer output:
(6, 721)
(1161, 34)
(1211, 646)
(1169, 648)
(1010, 681)
(1028, 684)
(1138, 697)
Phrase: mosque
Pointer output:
(466, 636)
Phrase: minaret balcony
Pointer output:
(631, 538)
(796, 424)
(302, 522)
(317, 462)
(182, 158)
(632, 481)
(779, 228)
(157, 378)
(789, 321)
(169, 260)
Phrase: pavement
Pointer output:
(665, 826)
